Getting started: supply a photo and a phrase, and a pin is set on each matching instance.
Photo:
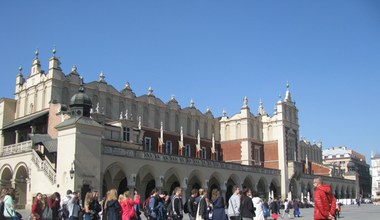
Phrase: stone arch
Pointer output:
(293, 189)
(274, 188)
(230, 183)
(262, 187)
(6, 175)
(21, 175)
(248, 182)
(215, 182)
(145, 180)
(194, 181)
(115, 177)
(171, 180)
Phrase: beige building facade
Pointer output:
(60, 133)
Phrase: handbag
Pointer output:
(266, 212)
(297, 212)
(275, 215)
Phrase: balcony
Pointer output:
(17, 148)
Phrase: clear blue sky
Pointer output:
(216, 52)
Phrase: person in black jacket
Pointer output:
(192, 204)
(177, 204)
(247, 210)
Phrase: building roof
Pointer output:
(27, 119)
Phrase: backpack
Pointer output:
(186, 206)
(146, 208)
(63, 212)
(2, 210)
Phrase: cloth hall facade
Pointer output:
(60, 133)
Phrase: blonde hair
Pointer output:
(111, 195)
(87, 200)
(127, 194)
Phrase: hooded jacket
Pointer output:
(324, 202)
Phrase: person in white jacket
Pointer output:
(258, 204)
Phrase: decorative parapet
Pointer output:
(116, 151)
(17, 148)
(44, 166)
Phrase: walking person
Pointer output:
(234, 204)
(247, 210)
(258, 204)
(153, 204)
(275, 209)
(296, 207)
(286, 209)
(324, 201)
(218, 212)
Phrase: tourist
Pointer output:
(218, 206)
(324, 200)
(234, 204)
(247, 210)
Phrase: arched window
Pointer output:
(109, 108)
(238, 131)
(177, 123)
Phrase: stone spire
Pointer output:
(36, 65)
(261, 109)
(102, 77)
(245, 102)
(54, 63)
(19, 77)
(288, 96)
(192, 104)
(150, 91)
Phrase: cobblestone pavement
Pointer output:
(349, 212)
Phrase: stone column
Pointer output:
(17, 136)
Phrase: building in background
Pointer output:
(375, 173)
(61, 133)
(344, 161)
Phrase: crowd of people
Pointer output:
(244, 204)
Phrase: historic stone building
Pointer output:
(346, 162)
(60, 133)
(375, 173)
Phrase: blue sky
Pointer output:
(216, 52)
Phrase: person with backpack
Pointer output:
(162, 206)
(9, 204)
(324, 201)
(153, 203)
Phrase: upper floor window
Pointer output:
(256, 155)
(148, 144)
(168, 147)
(126, 134)
(203, 153)
(187, 150)
(216, 155)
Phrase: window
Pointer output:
(256, 155)
(203, 153)
(216, 155)
(168, 147)
(126, 134)
(147, 144)
(187, 150)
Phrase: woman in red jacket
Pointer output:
(127, 205)
(37, 207)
